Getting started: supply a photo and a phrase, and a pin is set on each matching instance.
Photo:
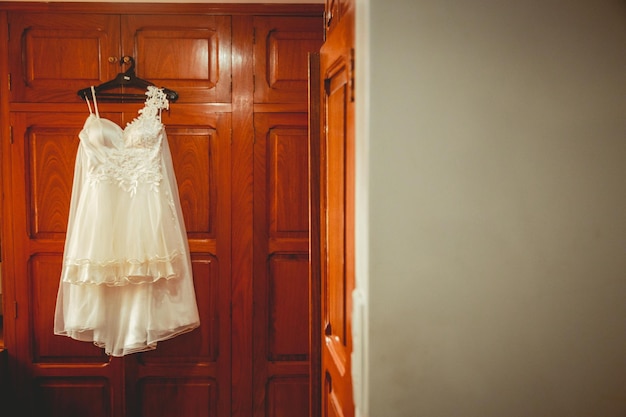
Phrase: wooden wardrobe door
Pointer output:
(337, 218)
(190, 54)
(54, 376)
(244, 203)
(189, 375)
(282, 351)
(54, 57)
(281, 280)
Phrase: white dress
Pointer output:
(126, 282)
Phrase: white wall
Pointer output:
(496, 176)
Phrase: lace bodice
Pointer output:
(129, 157)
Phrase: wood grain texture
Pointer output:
(337, 188)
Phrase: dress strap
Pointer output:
(95, 102)
(88, 104)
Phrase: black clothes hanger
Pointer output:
(124, 79)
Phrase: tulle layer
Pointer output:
(129, 271)
(126, 319)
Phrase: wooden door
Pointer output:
(337, 214)
(57, 376)
(281, 284)
(282, 350)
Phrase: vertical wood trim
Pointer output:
(5, 126)
(260, 282)
(8, 292)
(242, 214)
(224, 252)
(314, 234)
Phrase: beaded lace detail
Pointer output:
(137, 160)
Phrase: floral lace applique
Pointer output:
(144, 130)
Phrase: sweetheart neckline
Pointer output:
(99, 118)
(156, 101)
(122, 129)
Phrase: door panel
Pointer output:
(189, 54)
(194, 149)
(63, 397)
(184, 397)
(49, 153)
(61, 55)
(288, 299)
(281, 280)
(335, 291)
(281, 63)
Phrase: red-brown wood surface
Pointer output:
(242, 205)
(189, 54)
(337, 216)
(51, 58)
(281, 47)
(281, 279)
(335, 10)
(212, 61)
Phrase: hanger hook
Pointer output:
(128, 59)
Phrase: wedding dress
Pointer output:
(126, 281)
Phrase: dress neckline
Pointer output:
(156, 101)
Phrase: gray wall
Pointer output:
(496, 181)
